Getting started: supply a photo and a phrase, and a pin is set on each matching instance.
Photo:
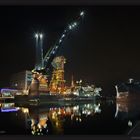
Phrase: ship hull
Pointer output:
(129, 97)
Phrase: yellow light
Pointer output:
(25, 110)
(57, 124)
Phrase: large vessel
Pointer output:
(42, 83)
(128, 91)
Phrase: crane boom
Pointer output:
(52, 51)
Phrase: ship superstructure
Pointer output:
(57, 83)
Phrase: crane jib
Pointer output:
(52, 51)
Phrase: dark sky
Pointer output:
(104, 49)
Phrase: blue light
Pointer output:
(9, 110)
(7, 89)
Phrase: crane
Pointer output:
(52, 51)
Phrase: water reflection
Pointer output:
(50, 120)
(96, 117)
(129, 113)
(39, 124)
(127, 110)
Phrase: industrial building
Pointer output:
(21, 80)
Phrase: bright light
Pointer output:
(75, 23)
(88, 113)
(76, 93)
(70, 27)
(60, 41)
(75, 108)
(130, 123)
(96, 109)
(41, 36)
(63, 35)
(82, 13)
(25, 110)
(9, 110)
(36, 35)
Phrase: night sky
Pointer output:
(103, 50)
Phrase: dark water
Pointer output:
(94, 118)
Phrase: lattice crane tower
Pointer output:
(57, 83)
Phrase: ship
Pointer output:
(128, 91)
(38, 84)
(82, 93)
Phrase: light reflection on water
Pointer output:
(79, 118)
(129, 112)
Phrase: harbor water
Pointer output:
(59, 118)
